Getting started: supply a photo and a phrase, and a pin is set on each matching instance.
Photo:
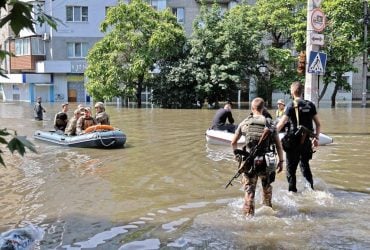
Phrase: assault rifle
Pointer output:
(246, 158)
(303, 132)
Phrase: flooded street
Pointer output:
(166, 188)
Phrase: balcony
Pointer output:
(26, 52)
(26, 63)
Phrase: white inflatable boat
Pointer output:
(224, 138)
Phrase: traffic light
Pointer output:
(301, 69)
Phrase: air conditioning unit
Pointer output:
(46, 36)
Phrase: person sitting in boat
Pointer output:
(61, 118)
(219, 120)
(72, 123)
(101, 116)
(85, 121)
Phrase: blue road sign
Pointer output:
(317, 62)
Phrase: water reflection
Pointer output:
(165, 189)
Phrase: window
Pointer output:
(153, 3)
(76, 50)
(22, 46)
(37, 46)
(29, 46)
(368, 84)
(77, 14)
(180, 14)
(157, 4)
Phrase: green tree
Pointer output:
(137, 36)
(223, 52)
(241, 45)
(174, 86)
(20, 15)
(205, 53)
(284, 26)
(343, 42)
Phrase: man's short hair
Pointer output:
(296, 88)
(258, 104)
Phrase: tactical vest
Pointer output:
(252, 129)
(265, 160)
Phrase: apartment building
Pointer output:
(51, 63)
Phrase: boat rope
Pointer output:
(106, 145)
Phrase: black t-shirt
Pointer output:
(221, 116)
(306, 112)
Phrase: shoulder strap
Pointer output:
(296, 110)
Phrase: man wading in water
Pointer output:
(261, 141)
(300, 113)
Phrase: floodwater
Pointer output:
(166, 188)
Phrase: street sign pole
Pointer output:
(311, 90)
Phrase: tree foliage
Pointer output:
(223, 52)
(284, 26)
(137, 36)
(225, 49)
(174, 86)
(20, 16)
(16, 143)
(343, 42)
(283, 21)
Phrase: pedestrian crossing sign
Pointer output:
(317, 63)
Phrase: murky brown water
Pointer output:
(165, 189)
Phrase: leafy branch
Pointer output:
(16, 143)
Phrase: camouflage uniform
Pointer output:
(71, 126)
(83, 123)
(252, 128)
(249, 182)
(102, 118)
(38, 110)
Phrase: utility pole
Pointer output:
(315, 25)
(310, 89)
(365, 59)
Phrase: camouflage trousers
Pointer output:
(249, 182)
